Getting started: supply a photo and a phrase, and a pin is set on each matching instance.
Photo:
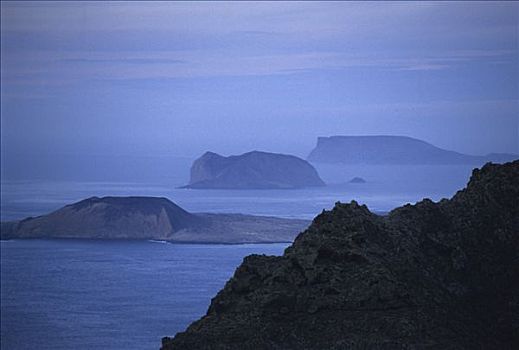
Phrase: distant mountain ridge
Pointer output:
(392, 150)
(151, 218)
(252, 170)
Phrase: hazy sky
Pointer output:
(182, 78)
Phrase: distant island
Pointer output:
(426, 276)
(252, 170)
(392, 150)
(151, 218)
(357, 180)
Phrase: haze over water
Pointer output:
(386, 188)
(149, 79)
(118, 99)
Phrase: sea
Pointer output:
(91, 294)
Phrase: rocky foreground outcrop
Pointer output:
(252, 170)
(393, 150)
(427, 276)
(151, 218)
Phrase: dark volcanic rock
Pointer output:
(253, 170)
(151, 218)
(427, 276)
(392, 150)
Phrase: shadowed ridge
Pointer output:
(432, 275)
(115, 207)
(212, 154)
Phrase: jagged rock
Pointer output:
(427, 276)
(253, 170)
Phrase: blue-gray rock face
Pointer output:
(392, 150)
(253, 170)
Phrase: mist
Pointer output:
(178, 79)
(355, 165)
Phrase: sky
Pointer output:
(181, 78)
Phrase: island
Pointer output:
(430, 275)
(252, 170)
(396, 150)
(151, 218)
(357, 180)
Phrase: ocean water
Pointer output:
(86, 294)
(386, 187)
(81, 294)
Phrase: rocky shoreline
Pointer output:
(431, 275)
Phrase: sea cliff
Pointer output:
(390, 150)
(253, 170)
(431, 275)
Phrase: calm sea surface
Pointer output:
(386, 187)
(81, 294)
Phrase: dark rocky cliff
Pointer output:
(427, 276)
(392, 150)
(253, 170)
(151, 218)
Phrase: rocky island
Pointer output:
(392, 150)
(426, 276)
(357, 180)
(253, 170)
(151, 218)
